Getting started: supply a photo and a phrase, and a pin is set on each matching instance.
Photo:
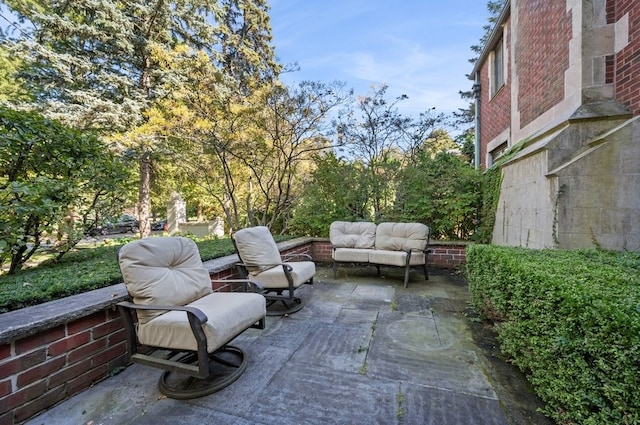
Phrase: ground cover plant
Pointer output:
(571, 321)
(88, 267)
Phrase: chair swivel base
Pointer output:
(283, 306)
(226, 365)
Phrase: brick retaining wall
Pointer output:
(52, 351)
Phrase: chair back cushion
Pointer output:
(257, 249)
(163, 271)
(402, 236)
(347, 234)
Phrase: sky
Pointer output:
(420, 48)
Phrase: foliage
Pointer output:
(571, 321)
(51, 180)
(247, 155)
(10, 87)
(101, 65)
(432, 186)
(490, 192)
(333, 191)
(441, 191)
(86, 268)
(375, 132)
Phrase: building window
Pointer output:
(496, 153)
(497, 67)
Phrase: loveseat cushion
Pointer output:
(401, 236)
(347, 234)
(228, 314)
(396, 258)
(351, 255)
(163, 271)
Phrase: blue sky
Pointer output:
(420, 48)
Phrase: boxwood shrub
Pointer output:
(86, 268)
(571, 321)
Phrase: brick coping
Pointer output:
(31, 320)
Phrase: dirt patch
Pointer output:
(521, 404)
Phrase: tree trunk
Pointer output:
(144, 195)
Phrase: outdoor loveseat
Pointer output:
(386, 244)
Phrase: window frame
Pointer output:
(498, 71)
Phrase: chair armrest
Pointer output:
(191, 311)
(307, 257)
(196, 319)
(249, 285)
(285, 265)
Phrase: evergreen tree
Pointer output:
(465, 117)
(95, 64)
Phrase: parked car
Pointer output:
(159, 225)
(125, 224)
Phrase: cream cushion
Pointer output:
(163, 271)
(396, 258)
(257, 248)
(401, 236)
(275, 278)
(228, 314)
(351, 255)
(346, 234)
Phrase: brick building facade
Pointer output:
(558, 86)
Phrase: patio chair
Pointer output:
(260, 260)
(183, 327)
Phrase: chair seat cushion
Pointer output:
(228, 314)
(395, 258)
(275, 278)
(351, 255)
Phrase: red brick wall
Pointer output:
(495, 111)
(444, 256)
(541, 55)
(38, 371)
(626, 65)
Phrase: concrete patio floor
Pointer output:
(363, 350)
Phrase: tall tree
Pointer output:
(247, 151)
(245, 39)
(382, 138)
(95, 64)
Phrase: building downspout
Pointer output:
(476, 93)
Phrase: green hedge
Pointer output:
(571, 321)
(85, 269)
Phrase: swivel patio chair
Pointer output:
(260, 260)
(183, 326)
